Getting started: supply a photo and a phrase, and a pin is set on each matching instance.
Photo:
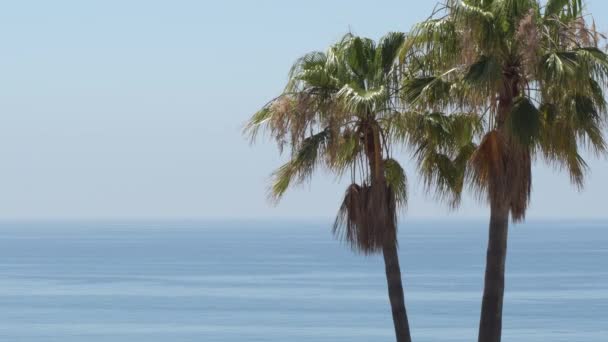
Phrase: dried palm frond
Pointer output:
(488, 167)
(528, 38)
(366, 219)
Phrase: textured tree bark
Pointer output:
(395, 293)
(490, 324)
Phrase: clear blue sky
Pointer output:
(133, 109)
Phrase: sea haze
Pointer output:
(290, 281)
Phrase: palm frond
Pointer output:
(302, 164)
(558, 66)
(485, 72)
(396, 181)
(310, 61)
(488, 167)
(571, 8)
(524, 121)
(432, 45)
(257, 121)
(388, 50)
(427, 91)
(472, 12)
(358, 100)
(359, 54)
(359, 224)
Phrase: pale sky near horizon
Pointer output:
(133, 109)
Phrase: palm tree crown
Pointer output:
(334, 113)
(533, 73)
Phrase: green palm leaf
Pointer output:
(524, 121)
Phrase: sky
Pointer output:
(121, 110)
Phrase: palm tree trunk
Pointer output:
(490, 325)
(389, 249)
(395, 293)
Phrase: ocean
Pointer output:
(291, 281)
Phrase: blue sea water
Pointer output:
(240, 281)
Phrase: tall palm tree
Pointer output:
(335, 113)
(535, 76)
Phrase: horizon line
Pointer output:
(118, 220)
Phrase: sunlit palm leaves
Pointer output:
(443, 145)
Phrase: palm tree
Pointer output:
(535, 76)
(335, 114)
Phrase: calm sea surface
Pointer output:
(283, 282)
